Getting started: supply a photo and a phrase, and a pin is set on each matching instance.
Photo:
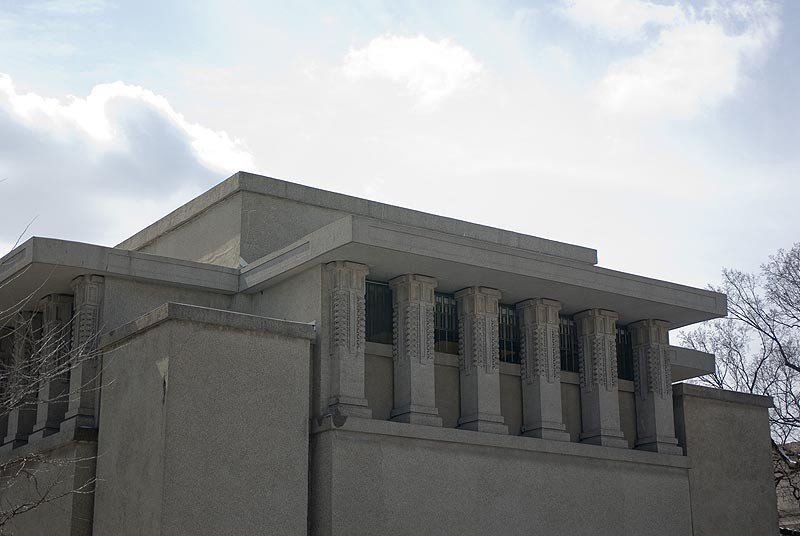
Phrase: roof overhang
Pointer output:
(687, 363)
(457, 262)
(242, 182)
(43, 266)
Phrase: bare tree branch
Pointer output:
(757, 349)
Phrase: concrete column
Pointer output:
(479, 360)
(597, 351)
(56, 312)
(6, 361)
(84, 384)
(346, 288)
(652, 377)
(540, 360)
(414, 380)
(21, 420)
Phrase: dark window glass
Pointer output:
(624, 354)
(509, 334)
(445, 324)
(379, 313)
(568, 336)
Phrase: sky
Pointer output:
(665, 135)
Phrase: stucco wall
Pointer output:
(726, 437)
(205, 431)
(392, 479)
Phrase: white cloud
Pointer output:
(429, 70)
(93, 116)
(73, 162)
(621, 19)
(695, 63)
(530, 151)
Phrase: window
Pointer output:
(624, 354)
(445, 323)
(379, 313)
(379, 318)
(509, 334)
(568, 337)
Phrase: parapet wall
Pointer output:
(372, 477)
(204, 425)
(379, 477)
(726, 438)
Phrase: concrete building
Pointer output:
(278, 359)
(787, 476)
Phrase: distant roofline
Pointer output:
(249, 182)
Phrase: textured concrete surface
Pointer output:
(42, 266)
(479, 360)
(392, 479)
(447, 399)
(206, 404)
(70, 467)
(458, 262)
(540, 368)
(275, 214)
(204, 393)
(343, 327)
(726, 438)
(125, 300)
(688, 363)
(600, 418)
(259, 187)
(214, 238)
(413, 350)
(378, 377)
(652, 375)
(379, 393)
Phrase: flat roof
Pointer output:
(42, 266)
(390, 240)
(259, 184)
(390, 250)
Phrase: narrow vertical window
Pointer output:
(445, 323)
(379, 313)
(509, 334)
(568, 337)
(624, 354)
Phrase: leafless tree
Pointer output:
(757, 349)
(35, 355)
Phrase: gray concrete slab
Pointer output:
(276, 188)
(42, 266)
(391, 250)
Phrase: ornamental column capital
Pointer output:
(652, 378)
(413, 350)
(540, 369)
